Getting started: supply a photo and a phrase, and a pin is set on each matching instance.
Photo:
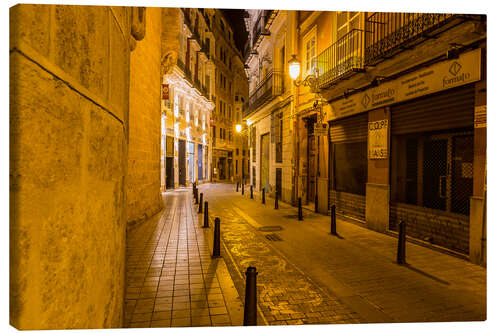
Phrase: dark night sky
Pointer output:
(235, 18)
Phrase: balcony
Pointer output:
(342, 59)
(386, 33)
(259, 31)
(269, 88)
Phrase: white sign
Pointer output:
(444, 75)
(377, 139)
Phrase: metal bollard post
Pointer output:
(237, 186)
(242, 188)
(251, 191)
(402, 243)
(250, 312)
(316, 203)
(276, 205)
(300, 209)
(216, 252)
(333, 221)
(200, 207)
(264, 196)
(196, 196)
(205, 216)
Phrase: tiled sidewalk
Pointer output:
(172, 280)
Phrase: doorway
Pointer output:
(182, 163)
(264, 162)
(200, 162)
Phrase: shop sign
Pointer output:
(480, 116)
(377, 139)
(165, 92)
(444, 75)
(321, 129)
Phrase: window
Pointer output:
(214, 132)
(310, 52)
(221, 131)
(279, 137)
(347, 21)
(237, 151)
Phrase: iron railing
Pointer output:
(259, 28)
(266, 90)
(341, 58)
(386, 32)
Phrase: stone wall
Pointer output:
(143, 176)
(68, 119)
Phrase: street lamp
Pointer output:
(238, 128)
(294, 67)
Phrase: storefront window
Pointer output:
(434, 170)
(350, 167)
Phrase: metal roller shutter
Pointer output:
(353, 128)
(453, 108)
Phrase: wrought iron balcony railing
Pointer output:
(259, 30)
(181, 65)
(386, 32)
(197, 84)
(266, 90)
(342, 58)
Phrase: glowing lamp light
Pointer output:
(294, 67)
(249, 122)
(238, 128)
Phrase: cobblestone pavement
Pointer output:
(286, 295)
(350, 278)
(171, 278)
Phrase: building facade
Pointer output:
(231, 90)
(388, 119)
(202, 84)
(269, 113)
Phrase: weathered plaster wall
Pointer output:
(69, 104)
(143, 178)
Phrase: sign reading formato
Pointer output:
(377, 139)
(444, 75)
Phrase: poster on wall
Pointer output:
(164, 91)
(377, 139)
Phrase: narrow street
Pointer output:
(305, 275)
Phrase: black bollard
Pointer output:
(316, 203)
(250, 312)
(333, 221)
(196, 196)
(242, 188)
(251, 191)
(276, 205)
(300, 209)
(194, 190)
(264, 196)
(200, 207)
(205, 216)
(216, 252)
(237, 186)
(401, 243)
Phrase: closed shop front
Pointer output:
(348, 165)
(432, 152)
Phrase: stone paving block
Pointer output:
(161, 323)
(198, 321)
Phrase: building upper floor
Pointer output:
(332, 47)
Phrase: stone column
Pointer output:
(377, 185)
